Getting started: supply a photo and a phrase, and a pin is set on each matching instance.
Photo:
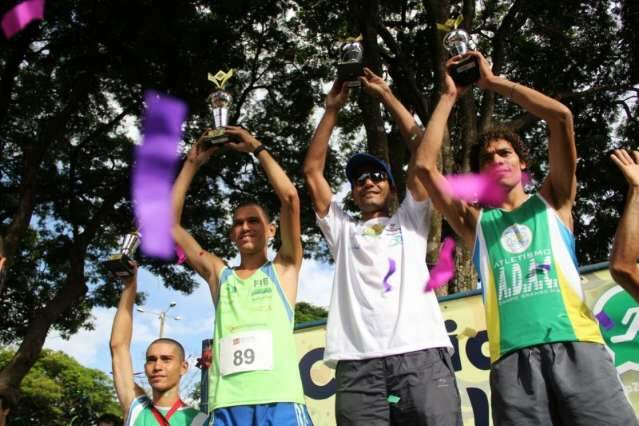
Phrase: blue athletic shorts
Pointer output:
(275, 414)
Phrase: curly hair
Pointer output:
(493, 134)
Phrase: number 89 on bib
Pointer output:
(248, 351)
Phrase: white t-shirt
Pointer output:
(374, 311)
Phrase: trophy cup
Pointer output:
(219, 102)
(466, 72)
(350, 64)
(118, 263)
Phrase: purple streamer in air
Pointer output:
(471, 187)
(444, 269)
(155, 164)
(21, 15)
(391, 270)
(605, 320)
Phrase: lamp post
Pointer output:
(162, 315)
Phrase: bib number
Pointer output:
(249, 351)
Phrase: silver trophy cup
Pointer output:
(350, 65)
(466, 72)
(119, 263)
(219, 102)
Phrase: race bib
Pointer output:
(248, 351)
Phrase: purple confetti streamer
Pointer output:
(444, 269)
(154, 171)
(391, 270)
(21, 15)
(605, 321)
(540, 267)
(471, 187)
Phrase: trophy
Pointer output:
(219, 102)
(458, 42)
(118, 263)
(351, 59)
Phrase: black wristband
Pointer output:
(258, 150)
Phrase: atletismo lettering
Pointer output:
(536, 280)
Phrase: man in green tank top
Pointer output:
(254, 377)
(164, 367)
(548, 362)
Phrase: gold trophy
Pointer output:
(119, 263)
(219, 102)
(351, 61)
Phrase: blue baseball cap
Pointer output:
(358, 161)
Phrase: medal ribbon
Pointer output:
(164, 420)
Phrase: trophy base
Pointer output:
(119, 266)
(349, 71)
(216, 137)
(465, 72)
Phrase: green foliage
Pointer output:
(305, 312)
(58, 389)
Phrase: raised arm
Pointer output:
(459, 214)
(205, 264)
(410, 131)
(560, 185)
(121, 333)
(290, 252)
(625, 249)
(315, 161)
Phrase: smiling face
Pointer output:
(499, 156)
(251, 229)
(371, 190)
(164, 366)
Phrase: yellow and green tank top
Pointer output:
(531, 286)
(253, 329)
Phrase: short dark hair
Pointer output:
(172, 342)
(494, 133)
(110, 418)
(246, 202)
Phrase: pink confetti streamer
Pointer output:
(154, 172)
(605, 320)
(181, 256)
(21, 15)
(444, 269)
(391, 270)
(471, 187)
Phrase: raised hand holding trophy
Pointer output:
(458, 42)
(351, 59)
(119, 264)
(219, 102)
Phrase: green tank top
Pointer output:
(140, 414)
(254, 358)
(532, 290)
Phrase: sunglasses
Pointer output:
(375, 177)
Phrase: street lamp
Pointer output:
(161, 315)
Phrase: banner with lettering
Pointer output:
(617, 312)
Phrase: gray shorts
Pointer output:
(568, 383)
(415, 388)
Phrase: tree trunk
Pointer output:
(51, 131)
(74, 288)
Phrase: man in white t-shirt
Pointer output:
(385, 336)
